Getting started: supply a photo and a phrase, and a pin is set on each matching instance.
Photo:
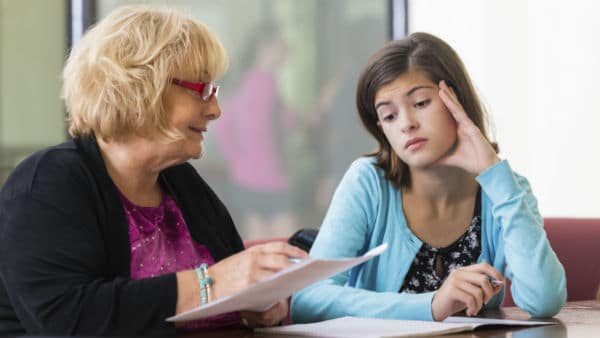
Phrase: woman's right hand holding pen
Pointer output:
(238, 272)
(468, 288)
(247, 267)
(250, 266)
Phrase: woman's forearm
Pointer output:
(188, 291)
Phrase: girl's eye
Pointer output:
(422, 104)
(389, 117)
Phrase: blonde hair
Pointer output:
(116, 75)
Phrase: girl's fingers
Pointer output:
(480, 274)
(476, 293)
(453, 107)
(450, 91)
(466, 298)
(481, 282)
(487, 269)
(448, 96)
(451, 101)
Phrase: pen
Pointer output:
(495, 282)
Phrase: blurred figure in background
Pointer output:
(251, 135)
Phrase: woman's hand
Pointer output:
(272, 316)
(251, 265)
(465, 288)
(472, 151)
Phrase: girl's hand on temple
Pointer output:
(270, 317)
(465, 288)
(472, 151)
(251, 265)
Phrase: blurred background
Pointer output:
(289, 127)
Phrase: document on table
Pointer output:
(265, 293)
(350, 327)
(478, 321)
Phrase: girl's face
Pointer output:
(414, 119)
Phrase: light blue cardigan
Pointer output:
(366, 211)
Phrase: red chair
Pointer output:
(577, 245)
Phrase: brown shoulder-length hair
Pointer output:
(438, 61)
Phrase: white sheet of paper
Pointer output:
(355, 327)
(477, 321)
(280, 285)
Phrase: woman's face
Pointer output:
(190, 115)
(414, 119)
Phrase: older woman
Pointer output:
(112, 231)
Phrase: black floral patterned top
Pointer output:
(431, 266)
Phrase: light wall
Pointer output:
(536, 65)
(32, 52)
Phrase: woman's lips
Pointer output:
(415, 143)
(198, 130)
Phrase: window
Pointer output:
(289, 128)
(32, 52)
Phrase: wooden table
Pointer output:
(576, 319)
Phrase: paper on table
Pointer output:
(280, 285)
(350, 327)
(478, 321)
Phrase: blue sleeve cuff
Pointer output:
(499, 182)
(421, 305)
(428, 297)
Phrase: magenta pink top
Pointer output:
(161, 244)
(250, 133)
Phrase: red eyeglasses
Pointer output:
(205, 90)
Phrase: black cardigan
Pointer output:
(65, 251)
